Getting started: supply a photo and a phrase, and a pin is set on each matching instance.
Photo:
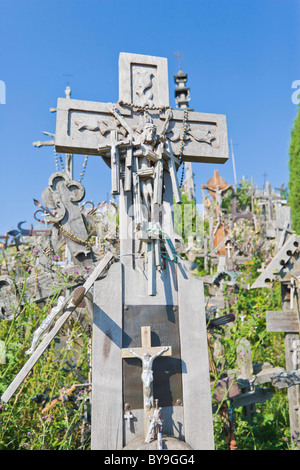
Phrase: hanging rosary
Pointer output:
(185, 118)
(56, 157)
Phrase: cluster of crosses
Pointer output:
(144, 142)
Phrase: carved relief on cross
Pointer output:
(62, 196)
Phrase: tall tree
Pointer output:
(294, 181)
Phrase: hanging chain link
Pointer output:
(56, 161)
(185, 118)
(83, 168)
(146, 107)
(58, 157)
(77, 239)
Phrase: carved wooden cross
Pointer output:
(143, 141)
(62, 196)
(147, 354)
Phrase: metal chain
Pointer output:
(62, 163)
(74, 238)
(56, 161)
(182, 175)
(83, 168)
(56, 156)
(185, 118)
(146, 107)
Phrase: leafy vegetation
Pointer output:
(294, 181)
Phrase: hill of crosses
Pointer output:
(149, 320)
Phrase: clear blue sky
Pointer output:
(241, 58)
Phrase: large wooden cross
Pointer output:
(144, 142)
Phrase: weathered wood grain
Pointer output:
(107, 404)
(282, 321)
(195, 365)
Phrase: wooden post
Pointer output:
(107, 403)
(287, 321)
(245, 371)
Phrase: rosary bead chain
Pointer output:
(83, 168)
(185, 118)
(146, 107)
(73, 237)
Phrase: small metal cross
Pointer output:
(128, 415)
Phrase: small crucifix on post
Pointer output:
(216, 187)
(147, 354)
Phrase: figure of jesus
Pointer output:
(219, 195)
(147, 372)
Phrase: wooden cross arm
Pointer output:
(151, 351)
(213, 188)
(67, 308)
(282, 321)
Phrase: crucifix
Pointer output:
(217, 187)
(147, 354)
